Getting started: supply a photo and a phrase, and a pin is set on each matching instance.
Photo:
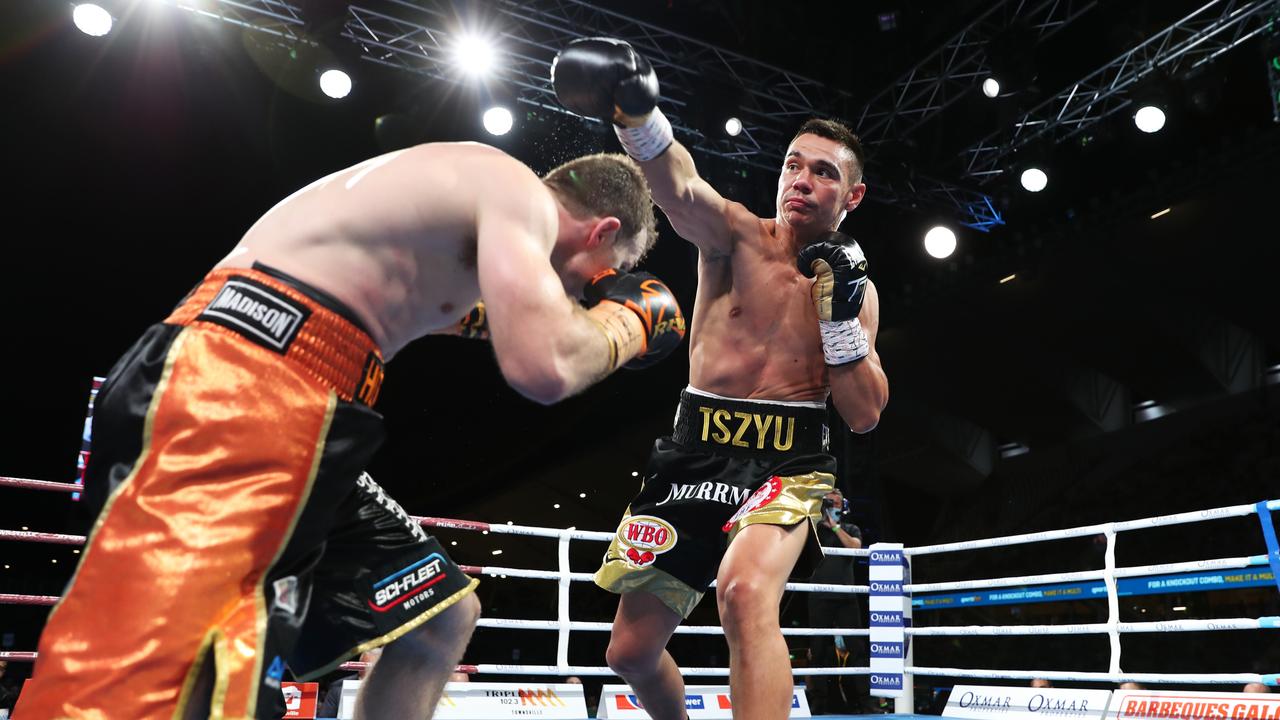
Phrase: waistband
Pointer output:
(749, 428)
(268, 310)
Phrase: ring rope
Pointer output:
(29, 484)
(1108, 575)
(1107, 677)
(1262, 623)
(1142, 524)
(1135, 571)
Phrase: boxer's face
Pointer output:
(590, 250)
(816, 186)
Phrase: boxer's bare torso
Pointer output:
(754, 332)
(394, 237)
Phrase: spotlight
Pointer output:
(1034, 179)
(991, 87)
(498, 120)
(733, 126)
(475, 55)
(1149, 119)
(940, 242)
(335, 83)
(92, 19)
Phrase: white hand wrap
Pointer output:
(649, 140)
(843, 341)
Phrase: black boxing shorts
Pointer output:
(728, 464)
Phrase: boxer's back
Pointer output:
(394, 237)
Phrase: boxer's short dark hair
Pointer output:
(838, 131)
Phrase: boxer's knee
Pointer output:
(748, 605)
(629, 656)
(443, 635)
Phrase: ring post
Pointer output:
(887, 610)
(905, 705)
(562, 602)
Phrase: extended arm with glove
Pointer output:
(607, 79)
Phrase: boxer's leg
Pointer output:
(748, 594)
(384, 582)
(638, 653)
(409, 677)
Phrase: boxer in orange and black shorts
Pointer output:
(238, 540)
(254, 541)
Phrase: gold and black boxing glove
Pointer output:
(617, 299)
(839, 269)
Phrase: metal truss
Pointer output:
(957, 67)
(1197, 39)
(418, 36)
(973, 209)
(273, 17)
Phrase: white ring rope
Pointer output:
(1262, 623)
(681, 630)
(1158, 521)
(588, 577)
(592, 669)
(1136, 571)
(1113, 628)
(1107, 677)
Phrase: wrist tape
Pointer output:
(649, 140)
(843, 341)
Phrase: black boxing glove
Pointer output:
(607, 79)
(613, 293)
(839, 269)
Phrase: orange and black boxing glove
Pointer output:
(617, 299)
(474, 325)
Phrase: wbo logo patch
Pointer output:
(642, 538)
(763, 495)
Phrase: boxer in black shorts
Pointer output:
(728, 464)
(785, 313)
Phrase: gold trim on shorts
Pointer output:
(394, 634)
(616, 576)
(799, 497)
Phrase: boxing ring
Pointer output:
(901, 662)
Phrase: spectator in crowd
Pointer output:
(836, 693)
(9, 687)
(1255, 688)
(1041, 683)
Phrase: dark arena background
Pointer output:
(1106, 348)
